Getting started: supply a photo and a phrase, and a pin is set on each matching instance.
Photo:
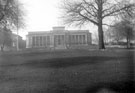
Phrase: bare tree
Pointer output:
(79, 12)
(107, 37)
(114, 35)
(124, 30)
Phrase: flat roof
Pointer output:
(58, 32)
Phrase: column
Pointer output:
(66, 42)
(37, 41)
(83, 39)
(30, 41)
(86, 39)
(77, 39)
(80, 39)
(73, 39)
(42, 41)
(50, 40)
(27, 41)
(46, 41)
(34, 41)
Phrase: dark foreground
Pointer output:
(73, 71)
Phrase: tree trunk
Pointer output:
(128, 42)
(101, 37)
(100, 23)
(2, 48)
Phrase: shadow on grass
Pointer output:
(113, 87)
(67, 62)
(109, 87)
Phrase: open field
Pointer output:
(65, 71)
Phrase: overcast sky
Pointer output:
(42, 15)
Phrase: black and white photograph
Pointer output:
(67, 46)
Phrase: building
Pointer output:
(21, 42)
(58, 38)
(8, 40)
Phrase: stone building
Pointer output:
(58, 38)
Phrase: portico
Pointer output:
(58, 38)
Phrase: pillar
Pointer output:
(30, 41)
(42, 41)
(27, 41)
(86, 39)
(75, 39)
(52, 41)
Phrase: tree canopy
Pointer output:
(11, 17)
(5, 38)
(124, 30)
(95, 11)
(11, 14)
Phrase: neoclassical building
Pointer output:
(58, 38)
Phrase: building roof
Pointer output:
(59, 29)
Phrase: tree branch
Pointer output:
(89, 12)
(89, 4)
(94, 22)
(109, 25)
(117, 11)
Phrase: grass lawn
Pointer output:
(65, 71)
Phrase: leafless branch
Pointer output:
(114, 11)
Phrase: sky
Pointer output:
(42, 15)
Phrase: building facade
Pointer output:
(58, 38)
(8, 40)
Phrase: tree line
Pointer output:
(120, 31)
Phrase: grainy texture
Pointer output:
(65, 71)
